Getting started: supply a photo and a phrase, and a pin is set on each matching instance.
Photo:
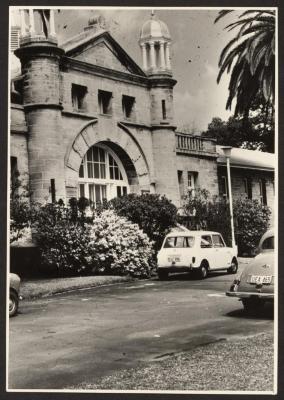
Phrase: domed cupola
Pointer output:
(155, 42)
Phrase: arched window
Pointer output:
(101, 176)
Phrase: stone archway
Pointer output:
(122, 142)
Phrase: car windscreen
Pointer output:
(179, 242)
(268, 243)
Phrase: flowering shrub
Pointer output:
(118, 246)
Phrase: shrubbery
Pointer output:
(154, 214)
(251, 221)
(105, 242)
(119, 246)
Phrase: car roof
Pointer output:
(192, 233)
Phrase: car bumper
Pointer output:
(175, 269)
(245, 295)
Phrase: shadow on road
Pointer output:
(189, 276)
(267, 313)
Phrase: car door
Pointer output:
(207, 250)
(222, 252)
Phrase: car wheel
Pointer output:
(234, 267)
(203, 270)
(252, 305)
(13, 303)
(163, 275)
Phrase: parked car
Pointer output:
(196, 251)
(255, 286)
(14, 294)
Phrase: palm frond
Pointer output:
(222, 14)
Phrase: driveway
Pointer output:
(61, 341)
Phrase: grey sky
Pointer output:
(196, 45)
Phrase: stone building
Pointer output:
(86, 120)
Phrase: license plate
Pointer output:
(261, 279)
(175, 259)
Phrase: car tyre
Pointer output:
(234, 267)
(253, 305)
(13, 303)
(163, 275)
(203, 270)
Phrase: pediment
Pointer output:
(105, 52)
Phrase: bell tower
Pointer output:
(40, 59)
(155, 43)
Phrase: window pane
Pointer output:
(103, 171)
(96, 153)
(116, 173)
(98, 193)
(90, 154)
(82, 190)
(124, 190)
(120, 176)
(111, 160)
(118, 189)
(90, 170)
(111, 173)
(102, 155)
(206, 241)
(104, 196)
(91, 193)
(81, 170)
(96, 170)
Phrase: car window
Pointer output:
(268, 243)
(179, 241)
(206, 241)
(218, 241)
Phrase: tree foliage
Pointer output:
(154, 214)
(250, 59)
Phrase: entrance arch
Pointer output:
(121, 146)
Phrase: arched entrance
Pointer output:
(99, 167)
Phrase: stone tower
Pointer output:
(155, 41)
(40, 58)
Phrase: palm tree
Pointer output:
(250, 57)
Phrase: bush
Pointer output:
(251, 221)
(63, 240)
(118, 246)
(154, 214)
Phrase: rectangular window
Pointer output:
(78, 97)
(247, 188)
(262, 192)
(223, 187)
(128, 106)
(105, 101)
(206, 241)
(218, 241)
(97, 193)
(164, 110)
(181, 183)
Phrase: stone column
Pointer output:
(152, 55)
(23, 22)
(162, 55)
(168, 61)
(51, 23)
(144, 56)
(32, 21)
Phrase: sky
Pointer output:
(196, 46)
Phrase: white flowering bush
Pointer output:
(119, 246)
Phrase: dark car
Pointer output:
(255, 286)
(14, 294)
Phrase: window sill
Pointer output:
(81, 114)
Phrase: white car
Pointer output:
(197, 251)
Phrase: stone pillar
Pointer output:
(41, 101)
(51, 23)
(32, 21)
(23, 22)
(162, 55)
(144, 56)
(152, 55)
(168, 61)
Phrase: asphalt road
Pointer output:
(77, 337)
